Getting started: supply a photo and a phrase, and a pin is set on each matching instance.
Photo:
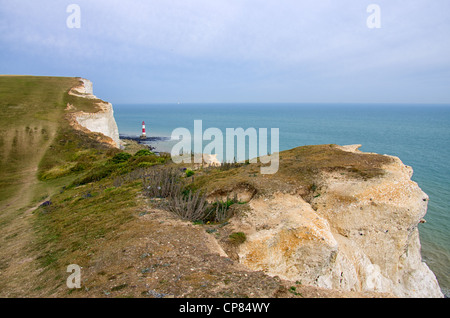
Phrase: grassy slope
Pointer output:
(298, 171)
(127, 246)
(44, 158)
(98, 218)
(31, 110)
(38, 154)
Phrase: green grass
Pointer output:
(74, 222)
(88, 212)
(189, 173)
(75, 226)
(72, 152)
(31, 108)
(43, 158)
(82, 104)
(25, 100)
(94, 189)
(33, 127)
(299, 168)
(40, 155)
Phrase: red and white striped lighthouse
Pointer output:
(143, 130)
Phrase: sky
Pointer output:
(252, 51)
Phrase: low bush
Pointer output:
(79, 166)
(146, 164)
(143, 152)
(188, 204)
(162, 183)
(148, 158)
(96, 174)
(221, 211)
(189, 173)
(237, 238)
(121, 157)
(192, 207)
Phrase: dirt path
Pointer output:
(18, 270)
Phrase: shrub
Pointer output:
(121, 157)
(221, 210)
(137, 174)
(162, 183)
(95, 175)
(143, 152)
(237, 238)
(192, 207)
(146, 164)
(189, 173)
(79, 167)
(56, 172)
(186, 203)
(136, 160)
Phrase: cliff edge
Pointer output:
(333, 217)
(101, 121)
(332, 222)
(350, 233)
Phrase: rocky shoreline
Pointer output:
(147, 141)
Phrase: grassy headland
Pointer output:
(136, 223)
(39, 153)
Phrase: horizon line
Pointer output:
(297, 103)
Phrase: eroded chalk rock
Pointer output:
(356, 234)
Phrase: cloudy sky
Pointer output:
(141, 51)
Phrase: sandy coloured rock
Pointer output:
(354, 235)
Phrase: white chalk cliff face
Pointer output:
(101, 122)
(356, 236)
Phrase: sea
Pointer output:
(419, 134)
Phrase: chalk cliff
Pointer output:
(350, 234)
(101, 121)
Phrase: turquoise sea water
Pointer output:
(418, 134)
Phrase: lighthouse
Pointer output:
(143, 136)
